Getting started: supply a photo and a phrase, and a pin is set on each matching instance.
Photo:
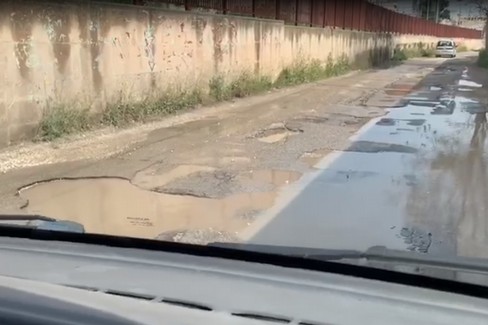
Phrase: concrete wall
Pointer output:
(431, 41)
(87, 56)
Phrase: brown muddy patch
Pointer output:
(116, 207)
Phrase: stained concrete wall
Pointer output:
(86, 55)
(361, 48)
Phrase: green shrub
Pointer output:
(399, 55)
(61, 120)
(244, 85)
(483, 58)
(127, 111)
(462, 48)
(308, 72)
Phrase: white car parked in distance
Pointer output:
(446, 48)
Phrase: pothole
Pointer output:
(154, 175)
(415, 122)
(376, 147)
(386, 122)
(330, 119)
(211, 184)
(312, 158)
(198, 236)
(312, 119)
(116, 207)
(416, 239)
(221, 183)
(276, 132)
(442, 110)
(273, 138)
(393, 122)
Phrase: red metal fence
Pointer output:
(346, 14)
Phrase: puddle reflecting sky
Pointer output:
(365, 197)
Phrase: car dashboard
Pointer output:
(137, 286)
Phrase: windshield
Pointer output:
(444, 43)
(251, 123)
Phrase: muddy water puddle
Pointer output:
(276, 132)
(114, 206)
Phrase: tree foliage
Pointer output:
(482, 6)
(428, 9)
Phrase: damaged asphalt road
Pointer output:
(415, 179)
(373, 158)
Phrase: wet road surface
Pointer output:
(413, 179)
(285, 170)
(204, 179)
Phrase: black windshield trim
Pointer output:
(358, 271)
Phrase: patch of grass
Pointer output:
(399, 55)
(301, 72)
(245, 85)
(462, 48)
(420, 50)
(218, 89)
(127, 111)
(427, 52)
(61, 120)
(483, 58)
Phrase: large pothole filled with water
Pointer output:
(114, 206)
